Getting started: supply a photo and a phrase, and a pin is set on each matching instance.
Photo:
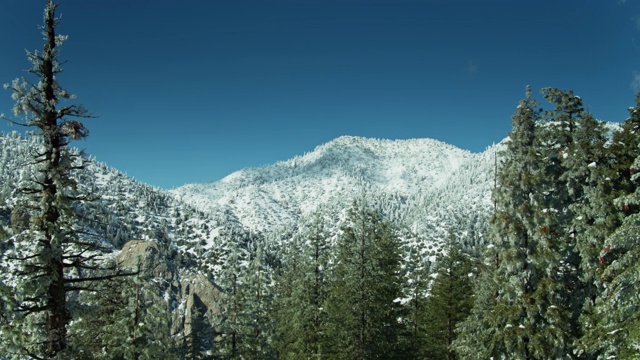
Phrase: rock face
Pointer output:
(146, 256)
(191, 297)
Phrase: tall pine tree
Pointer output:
(363, 306)
(593, 218)
(246, 326)
(449, 302)
(528, 319)
(48, 260)
(612, 326)
(302, 290)
(571, 136)
(121, 319)
(417, 268)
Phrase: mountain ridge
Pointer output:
(427, 190)
(423, 185)
(334, 172)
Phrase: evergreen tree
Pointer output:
(257, 326)
(302, 290)
(529, 314)
(40, 259)
(232, 302)
(475, 334)
(122, 319)
(594, 217)
(622, 152)
(449, 302)
(247, 330)
(612, 325)
(416, 320)
(363, 306)
(574, 141)
(564, 118)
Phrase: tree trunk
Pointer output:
(57, 315)
(363, 318)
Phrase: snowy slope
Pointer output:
(425, 187)
(124, 209)
(412, 180)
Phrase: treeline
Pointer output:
(355, 295)
(358, 293)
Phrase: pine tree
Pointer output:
(449, 302)
(476, 334)
(302, 290)
(612, 325)
(622, 151)
(529, 315)
(40, 260)
(574, 142)
(564, 117)
(257, 324)
(247, 330)
(594, 218)
(417, 280)
(363, 307)
(121, 319)
(232, 302)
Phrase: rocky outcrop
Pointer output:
(191, 297)
(147, 257)
(203, 302)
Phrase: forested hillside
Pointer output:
(215, 242)
(549, 240)
(360, 249)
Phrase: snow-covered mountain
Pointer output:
(422, 184)
(426, 188)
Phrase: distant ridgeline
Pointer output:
(424, 187)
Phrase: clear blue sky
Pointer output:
(190, 91)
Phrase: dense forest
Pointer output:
(555, 276)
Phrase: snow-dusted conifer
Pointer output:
(528, 311)
(257, 290)
(199, 342)
(121, 319)
(363, 306)
(38, 262)
(246, 328)
(594, 216)
(417, 268)
(612, 326)
(230, 280)
(449, 302)
(475, 333)
(572, 142)
(302, 289)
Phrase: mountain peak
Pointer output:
(333, 173)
